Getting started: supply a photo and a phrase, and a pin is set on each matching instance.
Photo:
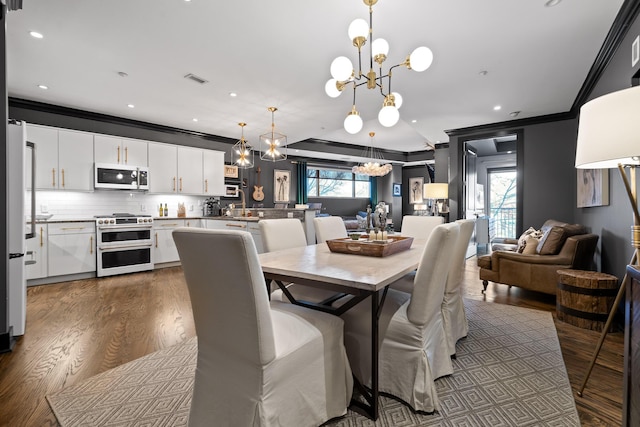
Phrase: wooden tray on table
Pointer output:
(367, 247)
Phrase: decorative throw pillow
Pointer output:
(531, 245)
(552, 240)
(522, 240)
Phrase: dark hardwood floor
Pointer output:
(78, 329)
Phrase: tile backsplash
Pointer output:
(79, 205)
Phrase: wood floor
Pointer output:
(78, 329)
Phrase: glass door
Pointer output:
(503, 200)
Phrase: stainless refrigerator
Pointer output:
(20, 162)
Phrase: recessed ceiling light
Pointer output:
(194, 119)
(297, 151)
(509, 152)
(414, 121)
(551, 3)
(36, 35)
(45, 87)
(131, 106)
(233, 94)
(497, 107)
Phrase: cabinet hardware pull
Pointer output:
(72, 228)
(91, 244)
(53, 177)
(110, 248)
(181, 184)
(62, 170)
(156, 239)
(174, 183)
(236, 225)
(118, 155)
(41, 232)
(169, 225)
(206, 185)
(126, 155)
(188, 224)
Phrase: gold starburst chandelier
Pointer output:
(343, 73)
(273, 144)
(242, 152)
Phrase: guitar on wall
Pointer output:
(258, 195)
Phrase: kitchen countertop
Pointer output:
(54, 220)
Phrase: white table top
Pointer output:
(318, 263)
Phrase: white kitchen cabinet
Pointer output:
(36, 257)
(249, 226)
(213, 172)
(164, 247)
(64, 158)
(72, 248)
(190, 178)
(123, 151)
(163, 168)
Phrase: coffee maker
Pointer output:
(211, 207)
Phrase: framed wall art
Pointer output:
(230, 171)
(592, 187)
(231, 190)
(397, 190)
(281, 185)
(415, 189)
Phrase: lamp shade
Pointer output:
(609, 131)
(436, 191)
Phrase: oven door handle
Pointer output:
(138, 245)
(124, 227)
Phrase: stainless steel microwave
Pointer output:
(121, 177)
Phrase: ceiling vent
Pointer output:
(196, 79)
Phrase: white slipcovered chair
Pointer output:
(454, 318)
(286, 233)
(414, 350)
(419, 227)
(329, 227)
(259, 363)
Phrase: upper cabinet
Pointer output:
(64, 158)
(162, 168)
(122, 151)
(190, 178)
(213, 172)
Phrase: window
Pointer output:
(324, 182)
(502, 200)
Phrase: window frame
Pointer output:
(354, 179)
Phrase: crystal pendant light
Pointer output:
(375, 166)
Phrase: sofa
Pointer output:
(555, 246)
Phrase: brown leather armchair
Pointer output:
(539, 272)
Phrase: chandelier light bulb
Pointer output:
(388, 116)
(420, 59)
(353, 122)
(397, 99)
(341, 68)
(358, 28)
(380, 47)
(331, 88)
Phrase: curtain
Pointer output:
(301, 184)
(373, 186)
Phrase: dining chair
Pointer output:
(286, 233)
(259, 362)
(419, 227)
(329, 227)
(413, 345)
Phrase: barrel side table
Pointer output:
(584, 298)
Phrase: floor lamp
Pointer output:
(608, 137)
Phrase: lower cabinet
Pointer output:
(36, 257)
(249, 226)
(164, 246)
(72, 248)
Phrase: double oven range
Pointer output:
(124, 244)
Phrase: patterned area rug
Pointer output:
(508, 372)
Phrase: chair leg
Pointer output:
(485, 283)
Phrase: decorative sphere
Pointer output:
(388, 116)
(331, 89)
(353, 124)
(358, 28)
(421, 59)
(341, 68)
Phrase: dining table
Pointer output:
(354, 274)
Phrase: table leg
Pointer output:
(374, 356)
